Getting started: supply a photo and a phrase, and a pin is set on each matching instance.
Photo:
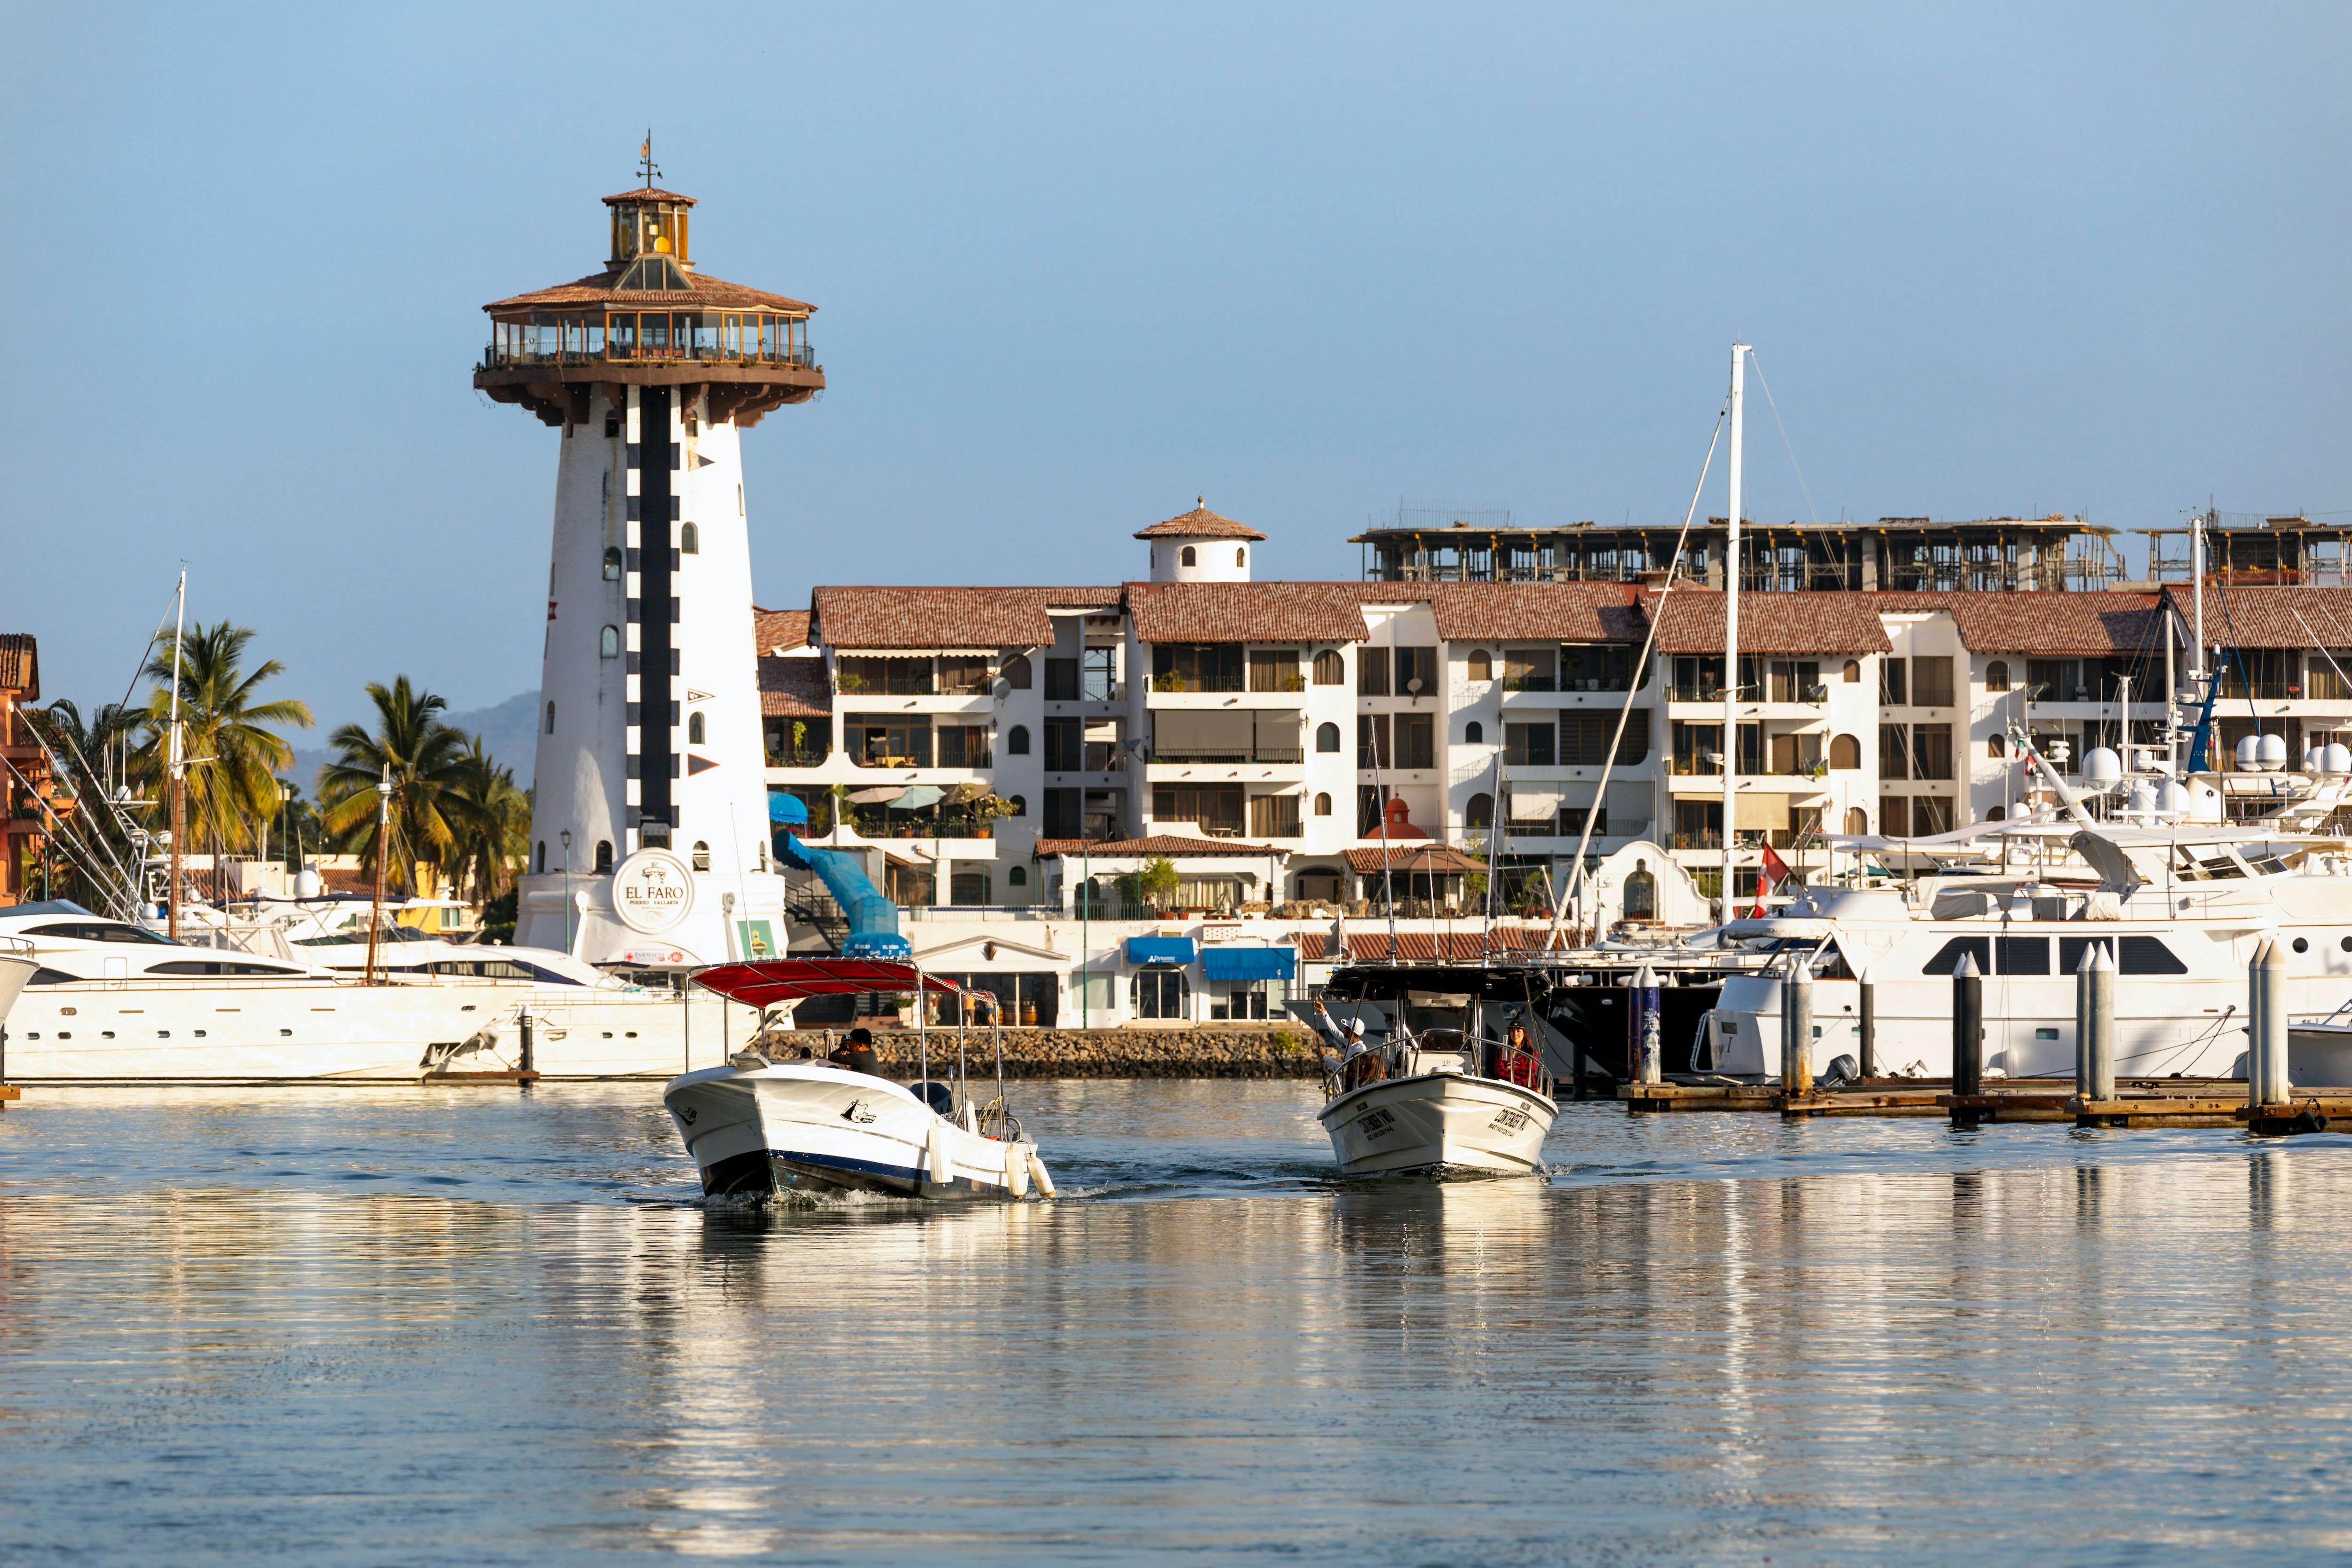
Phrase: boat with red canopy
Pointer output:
(758, 1127)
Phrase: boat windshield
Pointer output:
(2204, 865)
(98, 931)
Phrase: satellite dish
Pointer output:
(2102, 766)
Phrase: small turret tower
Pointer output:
(1200, 547)
(650, 828)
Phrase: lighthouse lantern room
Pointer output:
(649, 826)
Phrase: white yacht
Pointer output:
(757, 1128)
(2180, 910)
(110, 1002)
(585, 1023)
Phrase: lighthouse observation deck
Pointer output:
(649, 318)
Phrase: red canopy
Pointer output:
(790, 979)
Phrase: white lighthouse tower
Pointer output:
(650, 828)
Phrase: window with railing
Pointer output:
(883, 676)
(1597, 667)
(1698, 749)
(1530, 669)
(1274, 817)
(1197, 667)
(1216, 808)
(1698, 825)
(2329, 678)
(1275, 670)
(888, 740)
(1530, 745)
(1931, 682)
(964, 745)
(710, 336)
(797, 742)
(963, 674)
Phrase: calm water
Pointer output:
(413, 1326)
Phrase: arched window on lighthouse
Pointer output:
(694, 729)
(689, 540)
(1190, 557)
(604, 855)
(608, 642)
(701, 855)
(1240, 557)
(541, 864)
(612, 563)
(550, 718)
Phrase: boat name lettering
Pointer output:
(1507, 1121)
(1376, 1123)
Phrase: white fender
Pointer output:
(1037, 1170)
(1016, 1171)
(941, 1171)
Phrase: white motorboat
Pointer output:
(1432, 1106)
(757, 1128)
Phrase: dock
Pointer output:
(2144, 1103)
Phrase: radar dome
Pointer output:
(307, 884)
(2249, 754)
(2172, 800)
(2102, 766)
(2270, 753)
(2335, 757)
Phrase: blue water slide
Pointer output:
(873, 918)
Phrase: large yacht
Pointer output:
(111, 1002)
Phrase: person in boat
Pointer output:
(1514, 1060)
(856, 1054)
(1358, 1063)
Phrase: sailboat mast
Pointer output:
(1731, 640)
(178, 758)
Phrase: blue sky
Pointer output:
(1077, 264)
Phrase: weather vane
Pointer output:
(645, 164)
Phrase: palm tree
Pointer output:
(427, 760)
(491, 819)
(94, 857)
(232, 754)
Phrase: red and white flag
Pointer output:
(1776, 870)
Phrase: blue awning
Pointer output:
(1250, 963)
(1160, 949)
(783, 808)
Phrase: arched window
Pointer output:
(1016, 672)
(540, 865)
(1016, 741)
(701, 855)
(1845, 751)
(689, 540)
(1190, 557)
(1481, 664)
(1327, 737)
(608, 642)
(1857, 821)
(1640, 893)
(1240, 557)
(1852, 672)
(1997, 814)
(550, 718)
(1997, 678)
(1016, 876)
(1323, 805)
(1020, 805)
(1996, 746)
(696, 730)
(1473, 734)
(1479, 813)
(604, 855)
(613, 563)
(1328, 670)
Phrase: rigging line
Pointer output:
(1633, 685)
(57, 764)
(1809, 508)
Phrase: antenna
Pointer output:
(645, 164)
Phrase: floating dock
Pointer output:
(2147, 1103)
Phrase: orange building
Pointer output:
(25, 782)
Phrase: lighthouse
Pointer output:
(649, 825)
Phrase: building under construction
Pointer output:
(2255, 550)
(1990, 554)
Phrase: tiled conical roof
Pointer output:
(1200, 523)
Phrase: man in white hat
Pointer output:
(1351, 1067)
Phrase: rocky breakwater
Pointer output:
(1205, 1050)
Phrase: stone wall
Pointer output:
(1208, 1051)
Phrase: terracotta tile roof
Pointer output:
(1200, 523)
(774, 629)
(1499, 612)
(707, 293)
(944, 617)
(1249, 611)
(2281, 617)
(2075, 623)
(1440, 860)
(794, 688)
(1423, 947)
(20, 665)
(648, 193)
(1172, 845)
(1795, 623)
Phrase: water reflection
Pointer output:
(501, 1329)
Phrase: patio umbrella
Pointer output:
(880, 795)
(917, 797)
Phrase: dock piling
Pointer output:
(1797, 1027)
(2094, 1032)
(1869, 1026)
(1648, 1027)
(1967, 1035)
(2267, 1083)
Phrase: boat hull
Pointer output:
(1439, 1123)
(811, 1127)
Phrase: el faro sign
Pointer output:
(652, 891)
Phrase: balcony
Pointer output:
(603, 349)
(1814, 695)
(1274, 754)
